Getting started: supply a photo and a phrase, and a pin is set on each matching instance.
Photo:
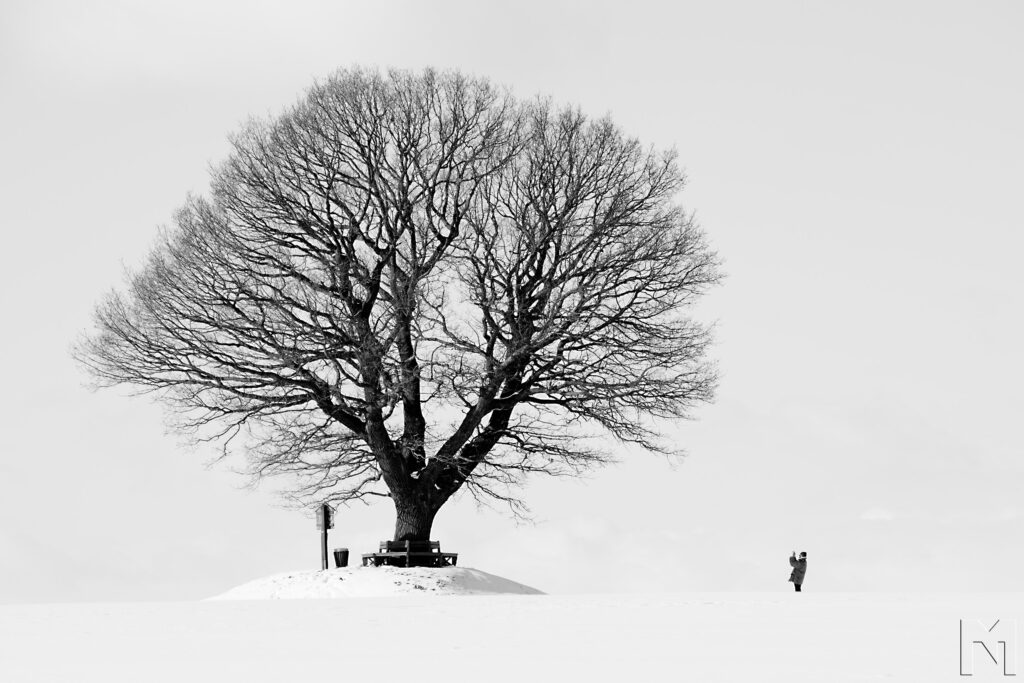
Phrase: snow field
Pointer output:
(705, 637)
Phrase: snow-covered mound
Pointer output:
(366, 582)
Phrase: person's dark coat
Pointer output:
(799, 569)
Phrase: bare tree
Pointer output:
(413, 283)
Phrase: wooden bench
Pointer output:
(410, 554)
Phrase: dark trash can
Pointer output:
(341, 557)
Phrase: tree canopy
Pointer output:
(411, 283)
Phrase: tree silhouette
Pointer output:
(411, 283)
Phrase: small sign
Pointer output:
(324, 517)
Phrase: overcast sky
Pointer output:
(858, 166)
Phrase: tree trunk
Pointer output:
(414, 515)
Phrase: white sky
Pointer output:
(858, 165)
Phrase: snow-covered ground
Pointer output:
(706, 637)
(376, 582)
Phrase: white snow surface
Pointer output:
(707, 637)
(374, 582)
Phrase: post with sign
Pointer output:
(324, 521)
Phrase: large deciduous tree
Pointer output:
(411, 283)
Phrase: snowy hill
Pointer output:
(367, 582)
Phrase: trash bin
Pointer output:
(341, 557)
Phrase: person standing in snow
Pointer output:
(799, 569)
